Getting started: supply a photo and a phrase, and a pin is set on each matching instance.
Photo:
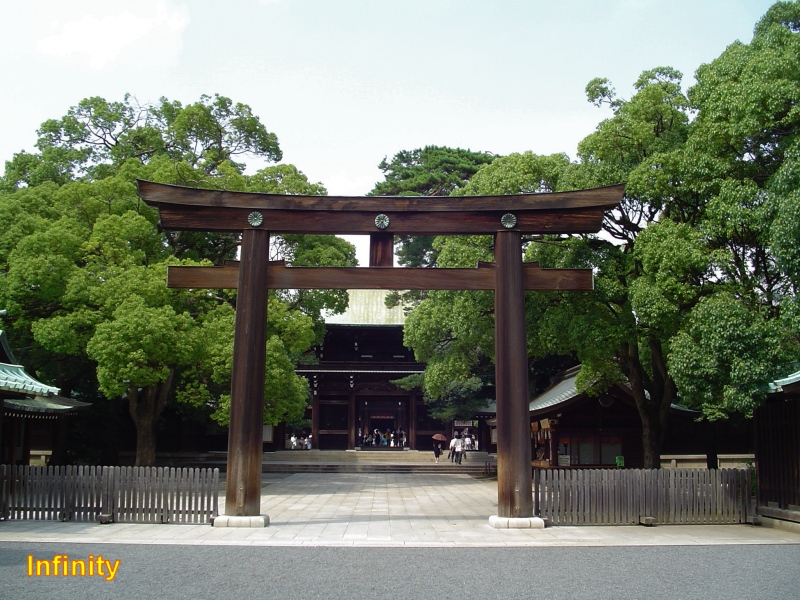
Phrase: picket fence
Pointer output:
(120, 494)
(651, 496)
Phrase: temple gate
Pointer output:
(255, 216)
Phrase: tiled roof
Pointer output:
(779, 384)
(40, 404)
(565, 390)
(13, 378)
(367, 307)
(561, 392)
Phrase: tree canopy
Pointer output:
(696, 273)
(695, 296)
(84, 261)
(428, 171)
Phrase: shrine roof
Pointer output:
(558, 393)
(787, 384)
(368, 307)
(564, 390)
(13, 378)
(41, 404)
(28, 394)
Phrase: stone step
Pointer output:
(368, 456)
(442, 467)
(344, 461)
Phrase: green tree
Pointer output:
(743, 149)
(453, 332)
(428, 171)
(695, 294)
(599, 328)
(84, 264)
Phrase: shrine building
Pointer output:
(351, 386)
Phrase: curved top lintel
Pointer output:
(156, 194)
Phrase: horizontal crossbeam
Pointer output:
(279, 276)
(182, 208)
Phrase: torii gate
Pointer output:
(255, 216)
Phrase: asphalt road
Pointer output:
(240, 572)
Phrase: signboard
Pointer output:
(465, 423)
(266, 434)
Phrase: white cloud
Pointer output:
(93, 36)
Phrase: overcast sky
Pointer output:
(344, 83)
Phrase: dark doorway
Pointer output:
(381, 425)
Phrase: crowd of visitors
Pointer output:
(460, 444)
(388, 439)
(296, 442)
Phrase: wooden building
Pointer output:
(573, 429)
(777, 424)
(33, 415)
(351, 385)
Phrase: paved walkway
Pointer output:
(390, 510)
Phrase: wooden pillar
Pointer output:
(514, 485)
(243, 487)
(352, 420)
(3, 441)
(381, 250)
(315, 414)
(412, 422)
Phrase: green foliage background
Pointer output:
(84, 261)
(696, 274)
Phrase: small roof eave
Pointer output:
(787, 384)
(42, 404)
(13, 378)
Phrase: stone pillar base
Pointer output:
(247, 521)
(516, 522)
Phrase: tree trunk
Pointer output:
(145, 442)
(652, 436)
(653, 396)
(145, 406)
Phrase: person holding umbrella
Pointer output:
(437, 446)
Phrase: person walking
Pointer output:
(437, 451)
(458, 449)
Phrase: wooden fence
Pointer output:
(777, 425)
(121, 494)
(628, 496)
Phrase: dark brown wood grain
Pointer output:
(279, 276)
(243, 480)
(162, 194)
(514, 483)
(381, 250)
(204, 218)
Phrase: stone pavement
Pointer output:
(387, 510)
